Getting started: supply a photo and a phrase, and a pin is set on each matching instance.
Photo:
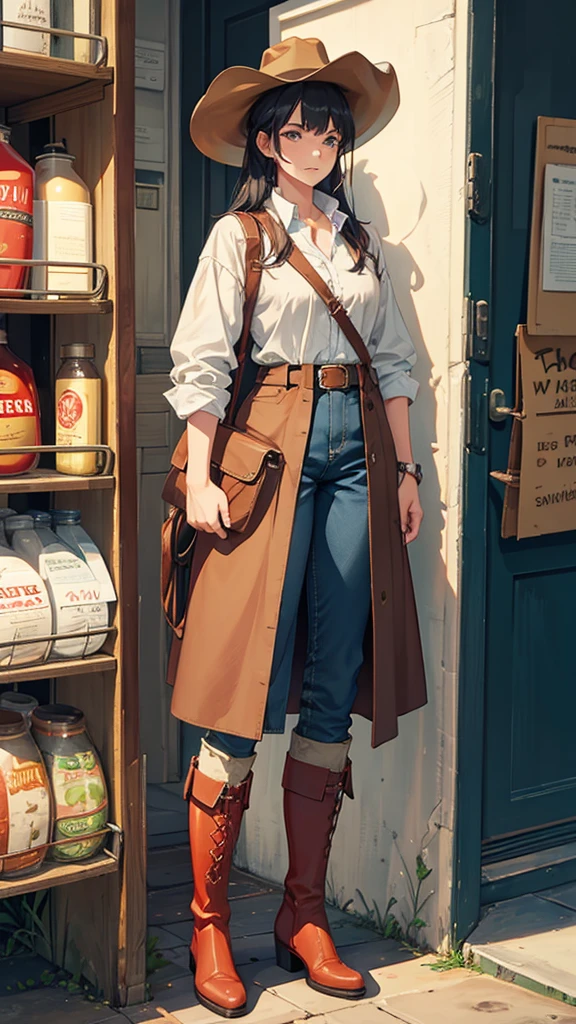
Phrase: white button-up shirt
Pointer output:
(291, 323)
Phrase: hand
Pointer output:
(411, 513)
(205, 503)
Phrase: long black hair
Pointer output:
(271, 111)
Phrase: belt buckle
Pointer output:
(338, 366)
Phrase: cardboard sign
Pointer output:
(552, 272)
(547, 498)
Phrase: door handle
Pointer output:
(497, 408)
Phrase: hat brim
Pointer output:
(218, 121)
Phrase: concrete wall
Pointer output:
(410, 182)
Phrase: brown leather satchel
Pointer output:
(242, 462)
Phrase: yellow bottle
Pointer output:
(78, 409)
(62, 221)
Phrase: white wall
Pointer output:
(410, 182)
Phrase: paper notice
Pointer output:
(559, 229)
(547, 501)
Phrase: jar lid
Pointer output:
(61, 516)
(14, 701)
(6, 512)
(77, 351)
(18, 523)
(58, 719)
(12, 723)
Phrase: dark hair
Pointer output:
(271, 111)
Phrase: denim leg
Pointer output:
(238, 746)
(338, 582)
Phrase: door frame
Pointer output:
(474, 549)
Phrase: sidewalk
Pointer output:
(400, 987)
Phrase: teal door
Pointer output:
(518, 682)
(215, 34)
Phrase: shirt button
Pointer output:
(372, 457)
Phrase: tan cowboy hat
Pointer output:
(218, 122)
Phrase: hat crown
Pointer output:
(294, 57)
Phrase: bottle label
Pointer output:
(81, 803)
(18, 419)
(37, 13)
(78, 421)
(26, 812)
(25, 612)
(77, 601)
(69, 237)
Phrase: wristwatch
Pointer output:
(414, 468)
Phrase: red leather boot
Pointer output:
(214, 816)
(312, 800)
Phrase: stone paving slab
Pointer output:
(463, 1003)
(563, 894)
(53, 1006)
(531, 937)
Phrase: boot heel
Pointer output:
(192, 964)
(286, 959)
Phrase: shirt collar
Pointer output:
(288, 211)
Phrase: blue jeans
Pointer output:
(329, 549)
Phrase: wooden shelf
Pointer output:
(59, 874)
(57, 306)
(49, 480)
(31, 76)
(58, 669)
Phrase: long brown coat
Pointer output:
(221, 668)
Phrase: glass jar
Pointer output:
(23, 703)
(78, 409)
(25, 805)
(77, 780)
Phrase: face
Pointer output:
(307, 155)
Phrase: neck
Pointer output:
(296, 192)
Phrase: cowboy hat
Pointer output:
(218, 122)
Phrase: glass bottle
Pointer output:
(78, 409)
(62, 221)
(19, 409)
(16, 202)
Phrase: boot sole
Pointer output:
(291, 962)
(238, 1011)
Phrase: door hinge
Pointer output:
(475, 328)
(477, 189)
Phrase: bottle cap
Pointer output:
(5, 132)
(56, 149)
(18, 523)
(77, 351)
(66, 516)
(58, 720)
(40, 517)
(22, 702)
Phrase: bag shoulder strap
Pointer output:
(251, 230)
(298, 260)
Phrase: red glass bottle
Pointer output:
(16, 199)
(19, 411)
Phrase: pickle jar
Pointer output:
(77, 780)
(25, 804)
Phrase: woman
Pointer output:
(346, 506)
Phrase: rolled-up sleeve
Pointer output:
(210, 323)
(392, 349)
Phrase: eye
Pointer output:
(292, 135)
(331, 141)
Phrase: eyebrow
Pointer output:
(296, 124)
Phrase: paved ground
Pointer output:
(400, 987)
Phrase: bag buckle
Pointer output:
(333, 366)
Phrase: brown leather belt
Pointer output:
(325, 377)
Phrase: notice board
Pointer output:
(552, 269)
(547, 494)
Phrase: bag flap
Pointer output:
(239, 454)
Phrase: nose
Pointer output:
(316, 152)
